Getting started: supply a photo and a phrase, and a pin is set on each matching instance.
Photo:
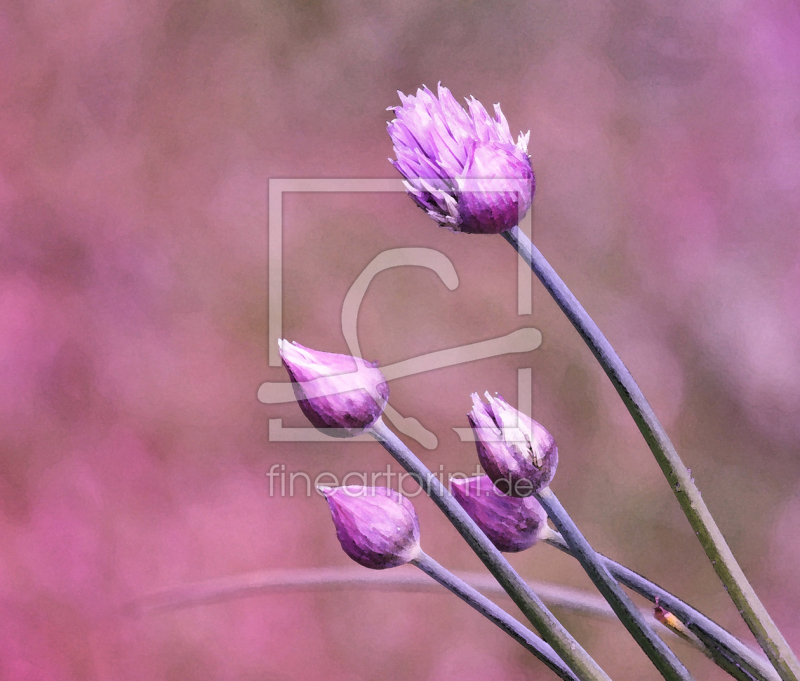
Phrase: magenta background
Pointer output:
(137, 143)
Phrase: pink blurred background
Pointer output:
(138, 140)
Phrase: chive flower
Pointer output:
(462, 168)
(516, 452)
(376, 526)
(339, 394)
(511, 524)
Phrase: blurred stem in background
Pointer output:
(714, 641)
(324, 579)
(744, 597)
(466, 586)
(532, 607)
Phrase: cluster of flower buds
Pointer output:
(463, 169)
(516, 452)
(377, 527)
(339, 394)
(511, 524)
(343, 396)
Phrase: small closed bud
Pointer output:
(340, 394)
(511, 524)
(463, 169)
(516, 452)
(377, 527)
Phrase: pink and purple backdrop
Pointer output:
(137, 144)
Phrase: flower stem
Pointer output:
(315, 579)
(744, 597)
(577, 601)
(706, 629)
(532, 607)
(659, 653)
(495, 614)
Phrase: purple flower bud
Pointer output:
(339, 394)
(377, 527)
(463, 169)
(516, 452)
(511, 524)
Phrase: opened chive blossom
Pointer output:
(463, 168)
(376, 526)
(339, 394)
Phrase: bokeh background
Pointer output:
(138, 139)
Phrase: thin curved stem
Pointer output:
(565, 598)
(659, 653)
(495, 614)
(713, 635)
(742, 593)
(249, 584)
(550, 629)
(572, 600)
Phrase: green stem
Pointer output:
(528, 602)
(706, 629)
(659, 653)
(494, 614)
(744, 597)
